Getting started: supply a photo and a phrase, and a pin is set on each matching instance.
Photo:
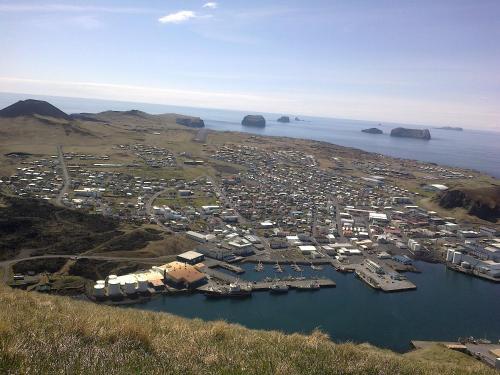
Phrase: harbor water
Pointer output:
(445, 306)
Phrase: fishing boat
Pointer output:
(313, 285)
(234, 290)
(279, 288)
(259, 267)
(278, 268)
(296, 267)
(316, 268)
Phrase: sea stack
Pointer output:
(372, 131)
(411, 133)
(284, 119)
(254, 120)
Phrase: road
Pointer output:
(149, 209)
(66, 177)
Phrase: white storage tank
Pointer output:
(114, 288)
(142, 284)
(99, 290)
(457, 257)
(130, 286)
(101, 282)
(449, 255)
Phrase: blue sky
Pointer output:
(426, 62)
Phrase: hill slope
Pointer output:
(49, 334)
(483, 202)
(32, 107)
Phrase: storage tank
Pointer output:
(99, 290)
(130, 286)
(114, 288)
(142, 285)
(449, 255)
(465, 264)
(100, 282)
(457, 257)
(111, 277)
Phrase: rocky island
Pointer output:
(254, 120)
(190, 122)
(454, 128)
(372, 131)
(411, 133)
(284, 119)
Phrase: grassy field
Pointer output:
(48, 334)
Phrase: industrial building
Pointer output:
(191, 257)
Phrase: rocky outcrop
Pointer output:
(191, 122)
(254, 120)
(481, 202)
(284, 119)
(411, 133)
(32, 107)
(372, 131)
(455, 128)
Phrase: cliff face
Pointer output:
(411, 133)
(372, 131)
(191, 122)
(483, 202)
(32, 107)
(254, 120)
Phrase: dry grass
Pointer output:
(48, 334)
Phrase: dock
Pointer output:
(383, 282)
(213, 263)
(260, 286)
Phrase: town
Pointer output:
(279, 208)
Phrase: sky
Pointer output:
(423, 62)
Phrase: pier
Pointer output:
(259, 286)
(383, 282)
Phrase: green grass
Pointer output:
(48, 334)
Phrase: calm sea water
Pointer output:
(446, 304)
(474, 149)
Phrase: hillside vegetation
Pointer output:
(50, 334)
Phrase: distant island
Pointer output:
(254, 120)
(411, 133)
(284, 119)
(455, 128)
(372, 131)
(298, 119)
(191, 122)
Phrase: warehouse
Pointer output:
(191, 257)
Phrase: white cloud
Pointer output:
(210, 5)
(178, 17)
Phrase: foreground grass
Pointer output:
(48, 334)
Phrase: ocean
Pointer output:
(473, 149)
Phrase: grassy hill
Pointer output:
(49, 334)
